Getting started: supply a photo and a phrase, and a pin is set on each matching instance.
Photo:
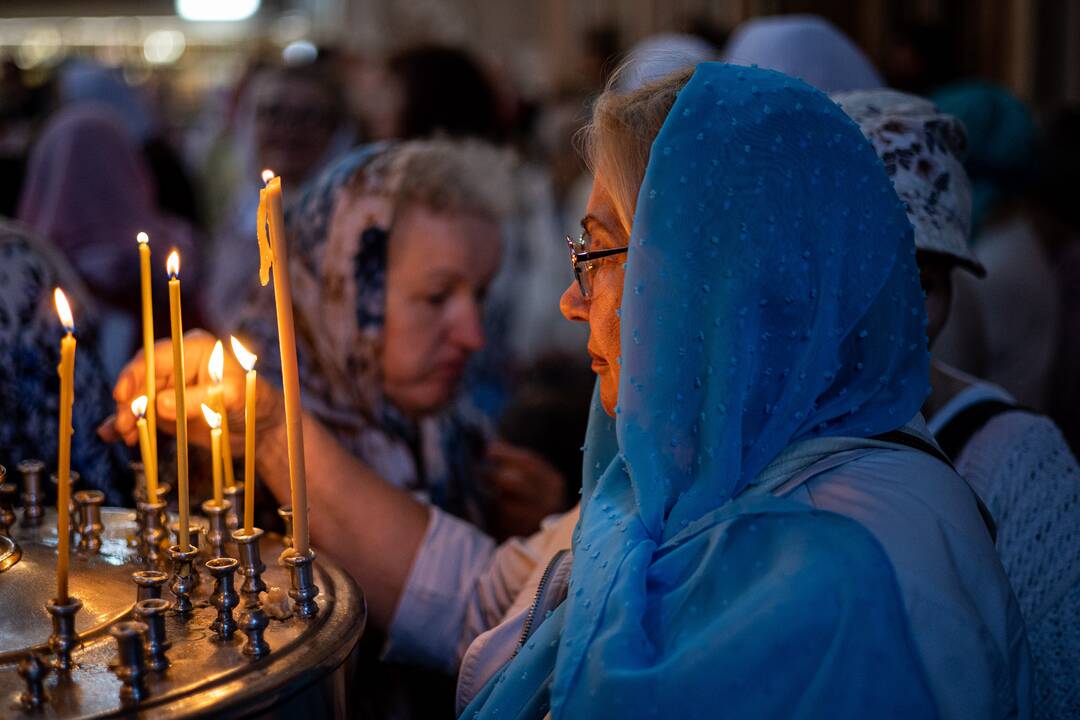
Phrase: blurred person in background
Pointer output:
(1059, 178)
(443, 91)
(89, 192)
(1006, 328)
(920, 57)
(660, 55)
(804, 46)
(30, 332)
(1016, 460)
(291, 119)
(21, 109)
(81, 80)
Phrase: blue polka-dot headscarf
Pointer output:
(771, 296)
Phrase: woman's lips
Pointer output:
(450, 370)
(598, 363)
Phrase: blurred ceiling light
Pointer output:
(300, 52)
(40, 46)
(163, 47)
(219, 10)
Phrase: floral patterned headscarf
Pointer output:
(923, 150)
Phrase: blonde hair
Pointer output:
(616, 143)
(445, 176)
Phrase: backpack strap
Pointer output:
(899, 437)
(955, 434)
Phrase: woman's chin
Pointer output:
(609, 392)
(428, 400)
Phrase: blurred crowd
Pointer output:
(89, 161)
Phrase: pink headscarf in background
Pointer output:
(89, 191)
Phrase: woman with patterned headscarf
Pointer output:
(392, 248)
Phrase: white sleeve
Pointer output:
(442, 584)
(460, 586)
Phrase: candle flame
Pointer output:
(138, 406)
(63, 309)
(142, 238)
(243, 356)
(267, 175)
(213, 419)
(217, 362)
(172, 264)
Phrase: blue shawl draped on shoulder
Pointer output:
(771, 296)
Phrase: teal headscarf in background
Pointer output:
(1001, 141)
(771, 296)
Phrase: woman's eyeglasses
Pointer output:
(584, 261)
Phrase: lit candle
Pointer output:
(271, 221)
(148, 348)
(172, 265)
(247, 361)
(63, 467)
(216, 400)
(139, 406)
(213, 419)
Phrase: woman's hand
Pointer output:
(198, 344)
(526, 489)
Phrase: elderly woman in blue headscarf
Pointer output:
(766, 528)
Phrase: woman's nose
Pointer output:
(573, 305)
(468, 327)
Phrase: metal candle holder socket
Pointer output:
(64, 639)
(151, 611)
(254, 621)
(131, 659)
(137, 539)
(33, 671)
(216, 532)
(304, 590)
(183, 583)
(195, 538)
(235, 497)
(9, 494)
(152, 536)
(89, 503)
(33, 496)
(224, 597)
(251, 565)
(285, 513)
(149, 584)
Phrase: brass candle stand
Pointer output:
(166, 662)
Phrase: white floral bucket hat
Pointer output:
(923, 151)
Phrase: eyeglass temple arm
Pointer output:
(597, 254)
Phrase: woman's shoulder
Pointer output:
(1020, 450)
(769, 538)
(901, 482)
